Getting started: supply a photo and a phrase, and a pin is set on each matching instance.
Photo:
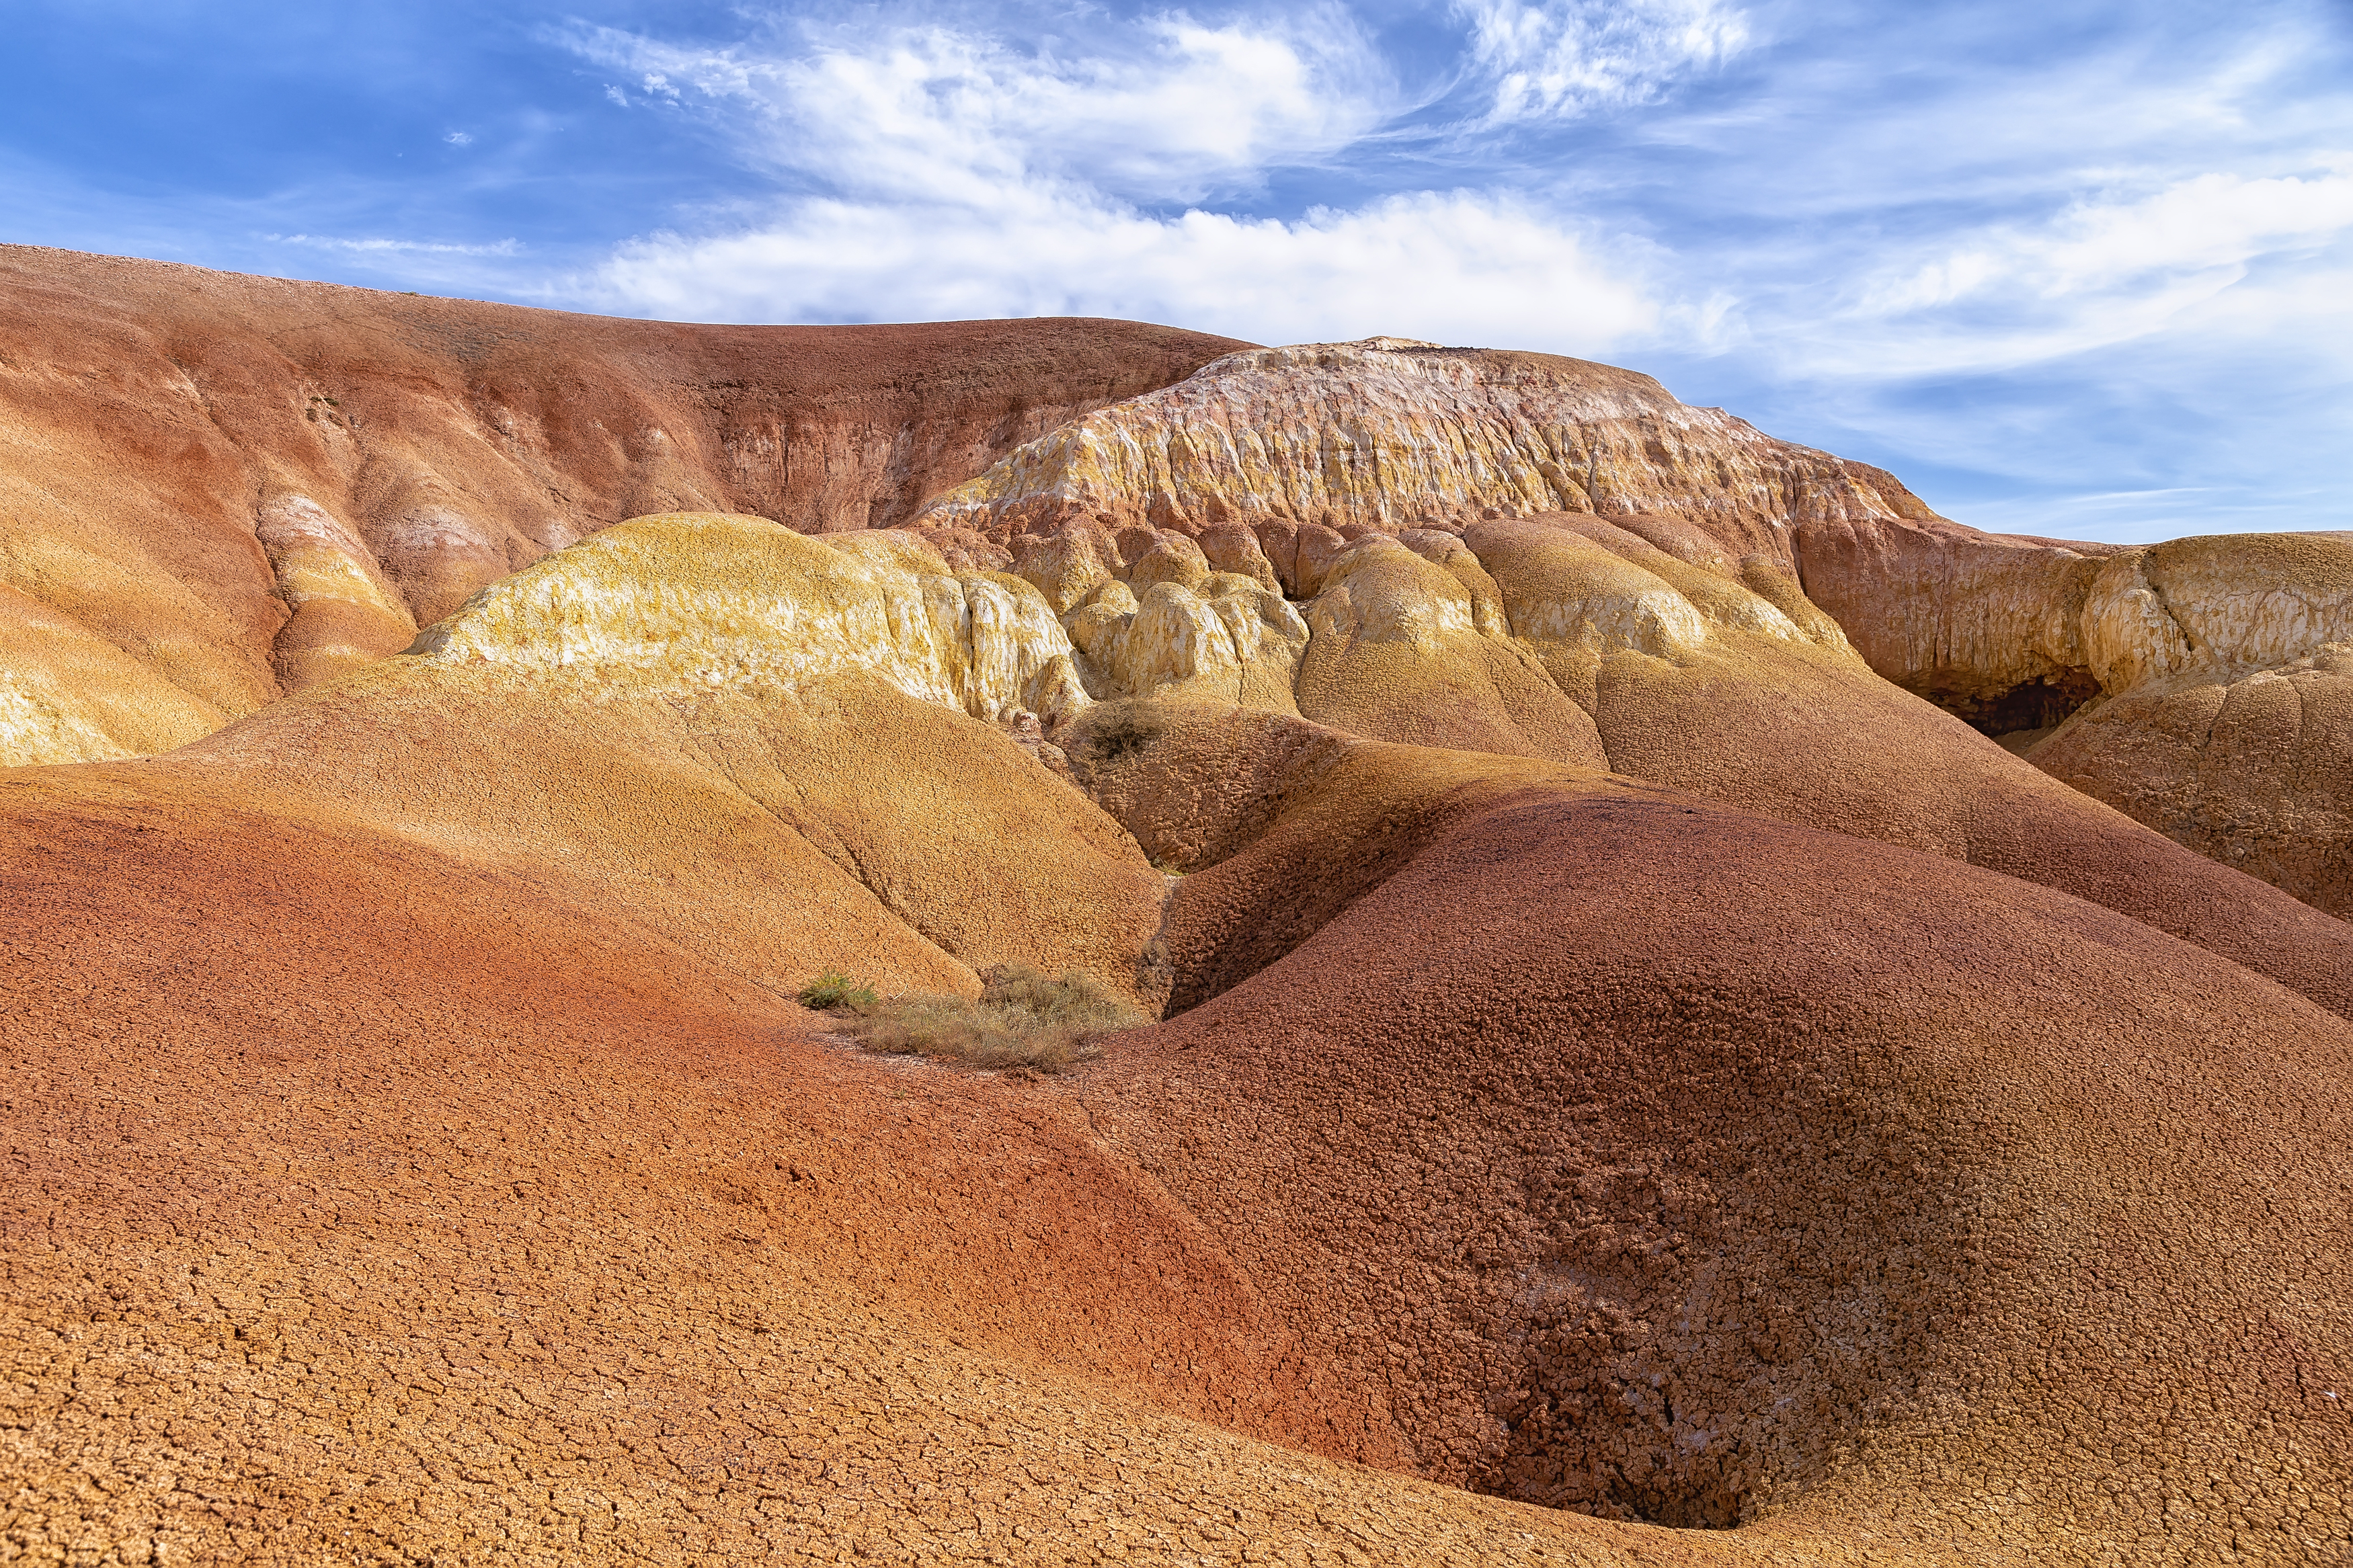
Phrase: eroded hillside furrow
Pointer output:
(1324, 469)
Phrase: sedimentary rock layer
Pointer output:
(1297, 464)
(1390, 433)
(244, 485)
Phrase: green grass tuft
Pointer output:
(835, 992)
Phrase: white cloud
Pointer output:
(2099, 273)
(1456, 267)
(962, 177)
(2209, 223)
(1170, 111)
(460, 139)
(1563, 57)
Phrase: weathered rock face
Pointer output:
(244, 485)
(2225, 719)
(1525, 1127)
(1387, 433)
(1377, 484)
(1987, 626)
(785, 610)
(2195, 686)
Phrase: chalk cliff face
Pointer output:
(1390, 433)
(241, 486)
(700, 602)
(2225, 716)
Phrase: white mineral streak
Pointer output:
(698, 601)
(2222, 606)
(317, 556)
(1384, 432)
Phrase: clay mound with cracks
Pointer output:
(1606, 1150)
(1716, 1109)
(2191, 685)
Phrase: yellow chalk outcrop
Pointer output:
(778, 752)
(345, 611)
(698, 601)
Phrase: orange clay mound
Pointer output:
(1630, 1155)
(1606, 1149)
(703, 725)
(240, 486)
(1712, 1107)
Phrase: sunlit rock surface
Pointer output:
(1387, 433)
(1628, 1044)
(71, 696)
(247, 485)
(700, 601)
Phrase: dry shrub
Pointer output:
(1023, 1019)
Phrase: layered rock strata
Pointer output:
(1534, 1130)
(244, 485)
(1380, 485)
(1390, 433)
(684, 722)
(2198, 686)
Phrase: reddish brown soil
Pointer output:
(1613, 1149)
(149, 412)
(1663, 1162)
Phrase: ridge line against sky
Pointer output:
(2068, 269)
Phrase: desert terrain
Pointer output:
(1688, 1010)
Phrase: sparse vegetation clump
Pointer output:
(1023, 1018)
(834, 990)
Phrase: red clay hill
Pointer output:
(1632, 1066)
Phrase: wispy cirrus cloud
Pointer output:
(399, 248)
(1161, 109)
(2101, 271)
(382, 247)
(2073, 254)
(1565, 56)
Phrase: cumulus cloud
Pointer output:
(957, 175)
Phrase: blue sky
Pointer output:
(2083, 269)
